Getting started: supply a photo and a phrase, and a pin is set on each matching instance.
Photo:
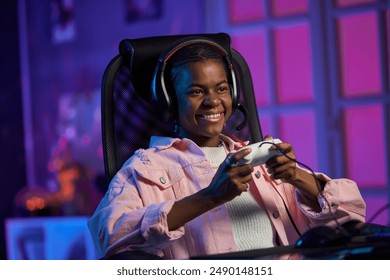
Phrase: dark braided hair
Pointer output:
(193, 53)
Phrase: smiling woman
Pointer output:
(204, 100)
(186, 196)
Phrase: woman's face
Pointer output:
(204, 100)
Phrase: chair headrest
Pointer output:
(143, 53)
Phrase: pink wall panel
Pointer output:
(359, 55)
(373, 205)
(252, 48)
(245, 10)
(298, 128)
(288, 7)
(363, 146)
(345, 3)
(293, 64)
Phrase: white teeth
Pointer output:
(213, 116)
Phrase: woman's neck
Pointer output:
(206, 141)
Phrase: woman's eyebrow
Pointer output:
(222, 82)
(201, 85)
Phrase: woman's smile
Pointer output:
(212, 118)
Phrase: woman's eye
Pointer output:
(196, 91)
(222, 89)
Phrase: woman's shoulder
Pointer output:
(147, 156)
(164, 155)
(156, 155)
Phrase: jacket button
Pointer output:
(275, 214)
(162, 180)
(258, 174)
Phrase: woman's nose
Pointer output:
(211, 99)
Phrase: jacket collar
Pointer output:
(161, 142)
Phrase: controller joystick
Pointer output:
(261, 152)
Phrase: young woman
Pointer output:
(187, 196)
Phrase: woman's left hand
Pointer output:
(285, 168)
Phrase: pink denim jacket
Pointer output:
(133, 213)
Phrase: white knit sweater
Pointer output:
(252, 228)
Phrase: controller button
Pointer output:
(258, 174)
(276, 214)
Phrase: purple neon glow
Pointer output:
(376, 205)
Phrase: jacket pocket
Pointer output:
(163, 179)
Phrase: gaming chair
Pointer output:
(129, 116)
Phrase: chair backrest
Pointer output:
(128, 115)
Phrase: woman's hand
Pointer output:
(282, 167)
(230, 180)
(285, 168)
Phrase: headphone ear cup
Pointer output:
(233, 90)
(234, 98)
(159, 91)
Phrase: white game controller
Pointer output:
(261, 152)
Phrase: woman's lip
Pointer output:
(210, 114)
(210, 117)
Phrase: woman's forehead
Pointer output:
(201, 69)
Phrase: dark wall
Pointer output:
(73, 69)
(12, 157)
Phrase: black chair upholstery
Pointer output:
(128, 116)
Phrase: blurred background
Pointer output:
(320, 70)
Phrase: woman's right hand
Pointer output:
(230, 180)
